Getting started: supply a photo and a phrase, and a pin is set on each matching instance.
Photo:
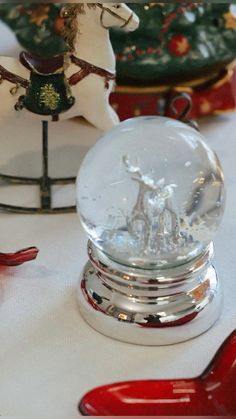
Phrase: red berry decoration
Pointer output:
(139, 51)
(150, 50)
(179, 45)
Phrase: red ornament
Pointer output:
(130, 56)
(210, 394)
(139, 51)
(150, 50)
(179, 45)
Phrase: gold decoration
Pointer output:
(152, 5)
(14, 89)
(137, 111)
(122, 316)
(205, 106)
(49, 97)
(38, 14)
(182, 46)
(115, 106)
(230, 21)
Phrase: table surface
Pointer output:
(48, 355)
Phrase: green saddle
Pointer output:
(48, 92)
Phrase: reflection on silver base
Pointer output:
(149, 307)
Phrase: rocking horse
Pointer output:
(77, 83)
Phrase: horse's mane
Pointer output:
(71, 28)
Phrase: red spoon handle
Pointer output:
(213, 393)
(22, 256)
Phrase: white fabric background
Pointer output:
(48, 355)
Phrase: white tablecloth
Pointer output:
(48, 355)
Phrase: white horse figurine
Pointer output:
(90, 67)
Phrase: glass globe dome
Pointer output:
(150, 193)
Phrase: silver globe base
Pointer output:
(149, 307)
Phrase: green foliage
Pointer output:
(147, 55)
(41, 39)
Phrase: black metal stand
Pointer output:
(44, 182)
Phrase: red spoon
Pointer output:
(212, 393)
(17, 258)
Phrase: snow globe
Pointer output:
(150, 197)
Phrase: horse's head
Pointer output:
(106, 15)
(117, 15)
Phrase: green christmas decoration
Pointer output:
(47, 95)
(174, 41)
(36, 26)
(179, 47)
